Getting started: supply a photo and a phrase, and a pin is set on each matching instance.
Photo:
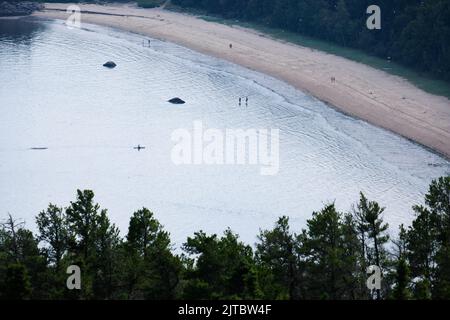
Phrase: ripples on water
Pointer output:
(55, 93)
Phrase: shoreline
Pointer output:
(384, 100)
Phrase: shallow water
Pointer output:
(54, 93)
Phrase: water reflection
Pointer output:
(20, 30)
(55, 93)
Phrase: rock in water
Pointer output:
(177, 101)
(110, 64)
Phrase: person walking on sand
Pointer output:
(240, 100)
(231, 46)
(246, 101)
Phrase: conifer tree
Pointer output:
(373, 233)
(53, 233)
(153, 270)
(278, 259)
(330, 248)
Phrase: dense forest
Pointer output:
(414, 33)
(326, 260)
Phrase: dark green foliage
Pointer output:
(151, 271)
(373, 234)
(402, 273)
(438, 201)
(52, 225)
(150, 3)
(402, 280)
(330, 250)
(422, 249)
(327, 260)
(16, 285)
(93, 245)
(429, 243)
(224, 268)
(277, 257)
(22, 260)
(414, 33)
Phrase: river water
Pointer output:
(55, 94)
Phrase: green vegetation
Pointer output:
(423, 80)
(150, 3)
(326, 260)
(413, 42)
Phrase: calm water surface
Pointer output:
(54, 93)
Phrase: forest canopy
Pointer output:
(328, 259)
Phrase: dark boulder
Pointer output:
(176, 101)
(110, 64)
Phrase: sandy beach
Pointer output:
(384, 100)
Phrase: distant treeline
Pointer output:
(327, 260)
(414, 33)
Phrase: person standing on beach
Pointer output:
(240, 100)
(246, 101)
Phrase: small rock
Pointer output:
(176, 101)
(110, 64)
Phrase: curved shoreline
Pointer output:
(372, 95)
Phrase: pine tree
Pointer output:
(16, 284)
(156, 271)
(223, 268)
(53, 231)
(354, 279)
(402, 280)
(277, 257)
(330, 249)
(438, 200)
(429, 242)
(23, 260)
(93, 245)
(105, 264)
(373, 233)
(422, 247)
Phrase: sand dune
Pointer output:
(361, 91)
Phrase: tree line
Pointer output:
(328, 259)
(414, 33)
